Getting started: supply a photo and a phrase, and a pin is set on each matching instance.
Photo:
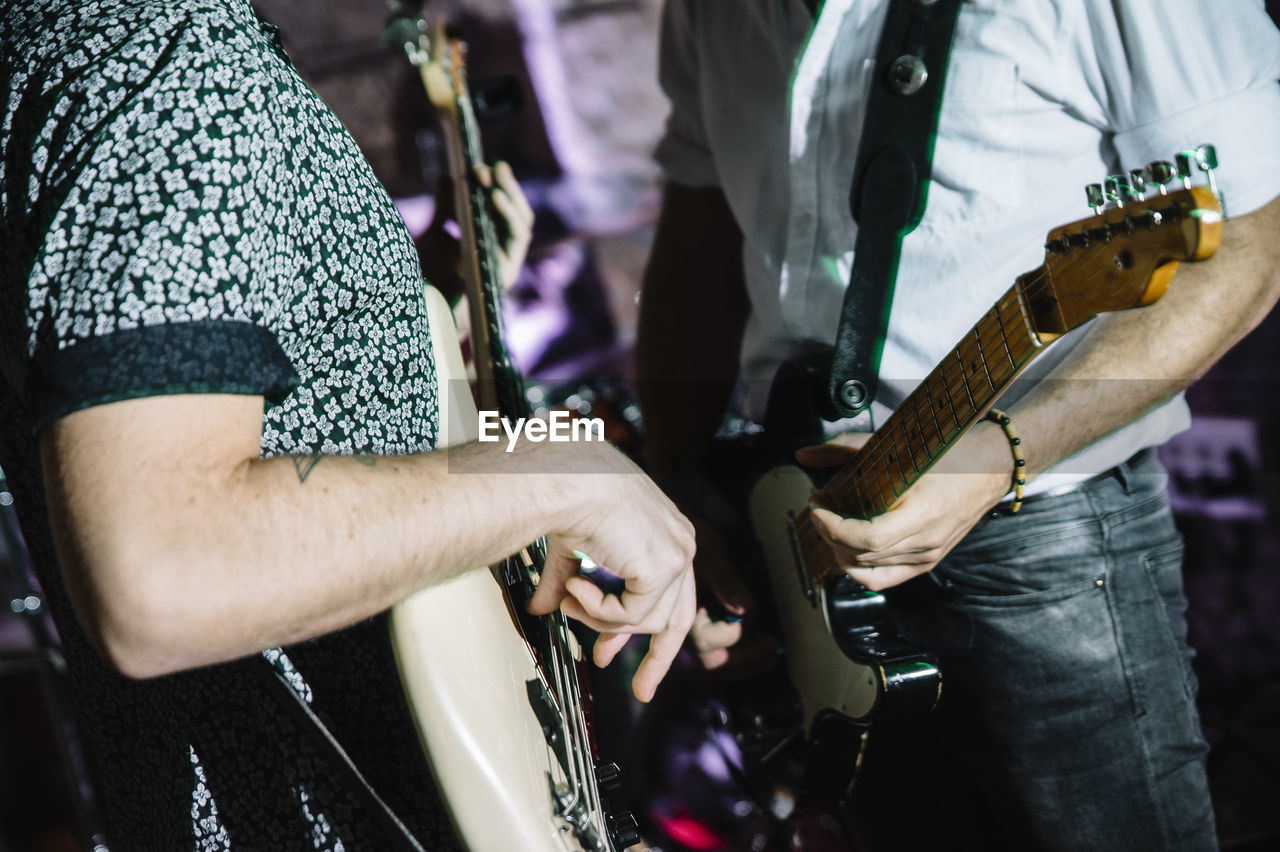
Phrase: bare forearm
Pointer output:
(179, 565)
(326, 541)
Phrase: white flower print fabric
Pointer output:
(182, 214)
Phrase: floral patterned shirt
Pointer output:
(182, 214)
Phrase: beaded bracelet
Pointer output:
(1019, 462)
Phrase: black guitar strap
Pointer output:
(890, 185)
(275, 683)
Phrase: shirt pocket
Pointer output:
(977, 166)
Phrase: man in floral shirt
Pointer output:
(218, 414)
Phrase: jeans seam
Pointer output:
(1149, 565)
(1136, 695)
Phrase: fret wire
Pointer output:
(900, 434)
(951, 397)
(924, 439)
(966, 400)
(915, 441)
(895, 456)
(879, 477)
(869, 479)
(1000, 346)
(927, 400)
(974, 395)
(946, 427)
(885, 494)
(857, 478)
(864, 491)
(950, 390)
(1017, 324)
(862, 477)
(885, 482)
(882, 475)
(982, 394)
(1018, 319)
(991, 385)
(968, 391)
(1000, 371)
(1002, 316)
(863, 506)
(933, 418)
(998, 368)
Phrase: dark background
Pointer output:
(568, 95)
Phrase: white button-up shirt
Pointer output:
(1040, 99)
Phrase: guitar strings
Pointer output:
(570, 708)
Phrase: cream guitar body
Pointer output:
(467, 669)
(819, 670)
(890, 679)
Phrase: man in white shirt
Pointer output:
(1059, 628)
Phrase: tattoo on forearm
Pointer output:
(305, 464)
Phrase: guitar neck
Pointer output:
(499, 385)
(951, 399)
(1116, 260)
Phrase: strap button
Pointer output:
(852, 393)
(907, 74)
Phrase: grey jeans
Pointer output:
(1068, 715)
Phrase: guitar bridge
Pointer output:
(797, 558)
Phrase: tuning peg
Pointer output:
(1184, 160)
(1116, 189)
(405, 30)
(1159, 173)
(1207, 159)
(1138, 184)
(1096, 200)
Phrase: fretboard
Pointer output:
(950, 400)
(500, 386)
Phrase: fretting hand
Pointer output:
(440, 252)
(913, 536)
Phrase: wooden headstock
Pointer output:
(1120, 258)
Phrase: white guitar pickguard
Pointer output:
(825, 678)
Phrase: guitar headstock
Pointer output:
(441, 61)
(1125, 255)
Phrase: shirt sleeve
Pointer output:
(683, 151)
(1167, 75)
(150, 277)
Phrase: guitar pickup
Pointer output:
(546, 711)
(797, 557)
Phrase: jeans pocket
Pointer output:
(989, 597)
(1047, 654)
(1162, 567)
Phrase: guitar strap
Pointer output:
(890, 186)
(275, 682)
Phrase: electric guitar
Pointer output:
(496, 693)
(843, 656)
